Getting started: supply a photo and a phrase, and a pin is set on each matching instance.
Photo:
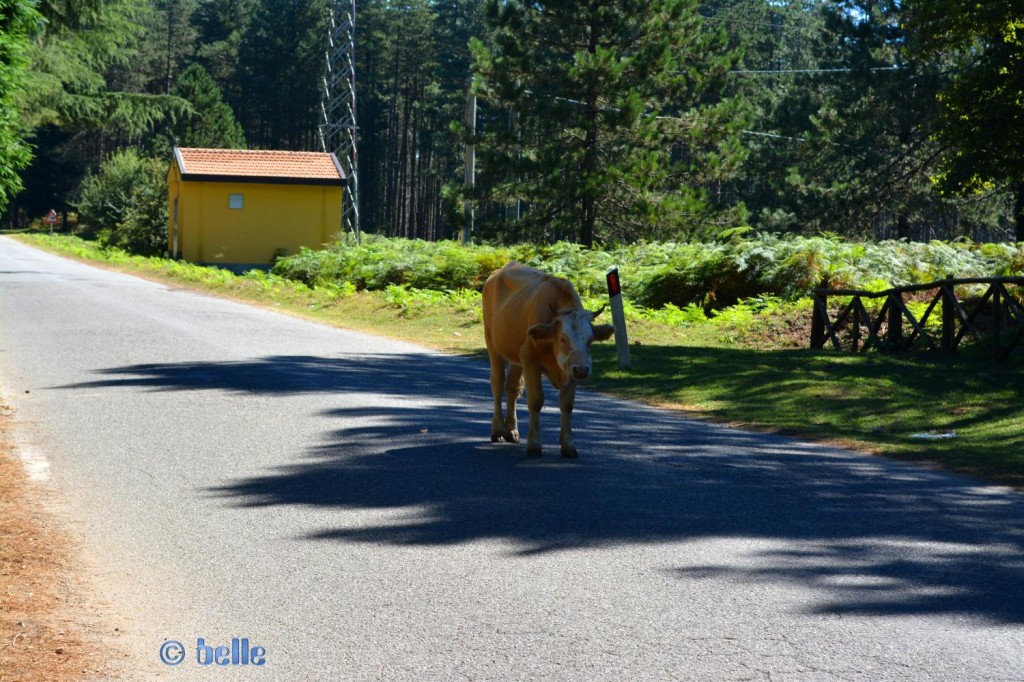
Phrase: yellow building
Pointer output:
(241, 208)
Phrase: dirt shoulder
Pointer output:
(50, 626)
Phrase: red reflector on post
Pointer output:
(618, 317)
(613, 283)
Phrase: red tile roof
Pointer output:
(256, 165)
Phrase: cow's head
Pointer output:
(570, 334)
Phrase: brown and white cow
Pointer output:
(535, 323)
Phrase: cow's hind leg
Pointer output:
(497, 389)
(513, 389)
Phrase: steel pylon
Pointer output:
(338, 129)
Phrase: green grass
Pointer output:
(748, 365)
(874, 402)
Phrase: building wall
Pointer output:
(272, 219)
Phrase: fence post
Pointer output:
(894, 334)
(997, 318)
(856, 322)
(818, 317)
(948, 315)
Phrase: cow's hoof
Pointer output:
(570, 452)
(534, 451)
(497, 438)
(512, 436)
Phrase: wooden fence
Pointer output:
(996, 319)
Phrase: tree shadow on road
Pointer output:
(872, 537)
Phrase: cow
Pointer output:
(536, 324)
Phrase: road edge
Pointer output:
(54, 624)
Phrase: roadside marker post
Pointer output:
(618, 317)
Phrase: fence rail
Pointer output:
(996, 319)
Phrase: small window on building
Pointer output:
(235, 201)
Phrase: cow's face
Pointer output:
(570, 334)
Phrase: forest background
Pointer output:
(606, 121)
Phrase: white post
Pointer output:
(618, 317)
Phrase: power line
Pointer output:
(744, 22)
(759, 72)
(773, 136)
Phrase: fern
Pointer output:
(654, 275)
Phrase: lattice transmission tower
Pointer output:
(338, 130)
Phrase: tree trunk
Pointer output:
(589, 166)
(903, 226)
(391, 193)
(1018, 209)
(169, 75)
(414, 161)
(404, 166)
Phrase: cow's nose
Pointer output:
(580, 372)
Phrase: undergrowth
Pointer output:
(712, 276)
(733, 285)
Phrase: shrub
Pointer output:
(124, 204)
(378, 262)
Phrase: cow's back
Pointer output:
(517, 297)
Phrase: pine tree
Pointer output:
(219, 26)
(843, 140)
(281, 59)
(165, 47)
(776, 40)
(413, 64)
(867, 156)
(212, 123)
(618, 131)
(18, 21)
(982, 114)
(75, 100)
(74, 79)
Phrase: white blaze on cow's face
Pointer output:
(571, 333)
(574, 334)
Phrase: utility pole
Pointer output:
(338, 130)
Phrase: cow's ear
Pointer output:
(542, 332)
(603, 332)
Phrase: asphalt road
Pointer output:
(334, 498)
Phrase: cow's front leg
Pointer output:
(566, 401)
(497, 388)
(535, 402)
(513, 389)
